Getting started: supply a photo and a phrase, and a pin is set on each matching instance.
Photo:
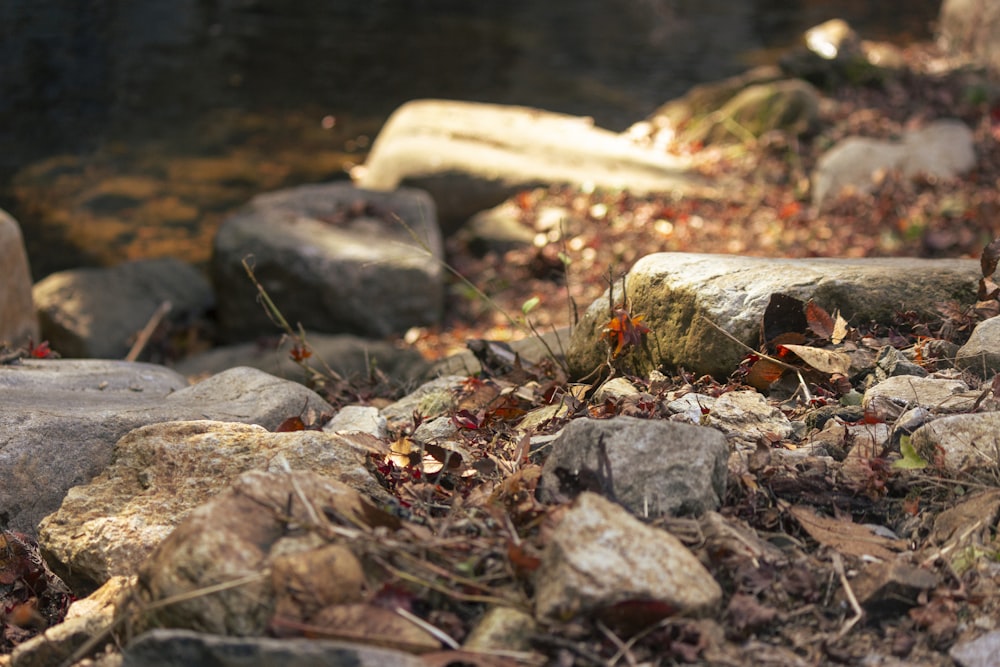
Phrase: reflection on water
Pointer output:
(130, 129)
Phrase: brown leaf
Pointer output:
(848, 538)
(820, 322)
(825, 361)
(839, 330)
(763, 374)
(990, 256)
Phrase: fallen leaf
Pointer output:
(989, 258)
(839, 329)
(825, 361)
(849, 538)
(820, 322)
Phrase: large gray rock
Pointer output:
(600, 555)
(679, 294)
(333, 258)
(944, 149)
(960, 442)
(61, 419)
(17, 311)
(651, 467)
(94, 312)
(472, 156)
(161, 472)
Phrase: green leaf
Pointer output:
(530, 304)
(911, 460)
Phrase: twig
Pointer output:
(624, 650)
(785, 365)
(435, 632)
(838, 566)
(147, 331)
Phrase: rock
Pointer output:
(675, 292)
(615, 389)
(358, 419)
(61, 419)
(501, 629)
(159, 473)
(497, 230)
(971, 27)
(96, 312)
(890, 588)
(651, 467)
(981, 353)
(660, 127)
(183, 648)
(18, 322)
(472, 156)
(334, 258)
(959, 442)
(791, 106)
(599, 555)
(434, 398)
(533, 349)
(85, 619)
(833, 54)
(903, 392)
(236, 536)
(981, 652)
(350, 356)
(746, 417)
(943, 149)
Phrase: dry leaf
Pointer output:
(826, 361)
(820, 322)
(850, 539)
(839, 329)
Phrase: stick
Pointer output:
(147, 331)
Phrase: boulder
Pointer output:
(600, 555)
(61, 419)
(683, 297)
(942, 149)
(237, 537)
(333, 258)
(18, 323)
(160, 472)
(960, 443)
(472, 156)
(97, 312)
(651, 467)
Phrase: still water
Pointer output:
(131, 129)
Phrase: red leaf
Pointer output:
(466, 419)
(820, 322)
(291, 424)
(625, 330)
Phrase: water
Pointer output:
(131, 129)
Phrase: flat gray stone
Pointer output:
(333, 258)
(61, 419)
